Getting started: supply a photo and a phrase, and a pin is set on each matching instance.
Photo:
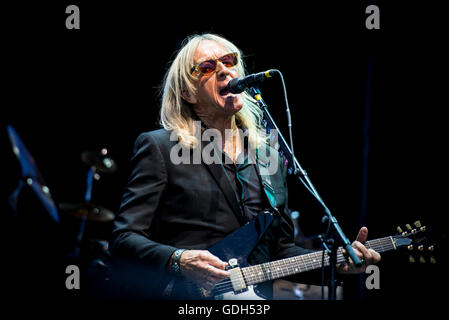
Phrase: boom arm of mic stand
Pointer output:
(302, 175)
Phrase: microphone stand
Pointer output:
(330, 244)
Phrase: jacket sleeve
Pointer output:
(131, 235)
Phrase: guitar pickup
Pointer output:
(236, 277)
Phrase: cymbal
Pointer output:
(91, 211)
(99, 160)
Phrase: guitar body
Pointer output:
(237, 245)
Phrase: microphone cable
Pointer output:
(289, 118)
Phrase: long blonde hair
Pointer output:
(176, 114)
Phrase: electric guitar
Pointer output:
(243, 277)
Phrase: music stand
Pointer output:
(30, 176)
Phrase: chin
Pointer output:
(232, 107)
(231, 110)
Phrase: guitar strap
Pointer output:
(262, 166)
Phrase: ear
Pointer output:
(188, 97)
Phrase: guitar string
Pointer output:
(381, 245)
(227, 285)
(292, 267)
(250, 277)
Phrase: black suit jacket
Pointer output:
(167, 206)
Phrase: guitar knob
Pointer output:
(233, 262)
(417, 224)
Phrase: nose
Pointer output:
(223, 71)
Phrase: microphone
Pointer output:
(238, 85)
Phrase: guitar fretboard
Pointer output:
(306, 262)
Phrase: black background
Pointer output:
(68, 91)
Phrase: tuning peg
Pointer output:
(411, 259)
(409, 227)
(432, 260)
(423, 228)
(410, 247)
(399, 229)
(421, 259)
(417, 224)
(421, 248)
(431, 248)
(413, 231)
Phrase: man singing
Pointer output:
(172, 211)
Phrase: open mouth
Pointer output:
(224, 91)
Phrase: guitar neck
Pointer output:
(306, 262)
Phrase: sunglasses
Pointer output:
(209, 66)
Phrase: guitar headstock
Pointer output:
(416, 241)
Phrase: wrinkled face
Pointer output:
(210, 95)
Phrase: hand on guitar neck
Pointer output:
(368, 256)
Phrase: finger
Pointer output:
(357, 253)
(375, 256)
(363, 235)
(217, 273)
(214, 261)
(350, 263)
(366, 254)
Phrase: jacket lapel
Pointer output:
(262, 162)
(217, 172)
